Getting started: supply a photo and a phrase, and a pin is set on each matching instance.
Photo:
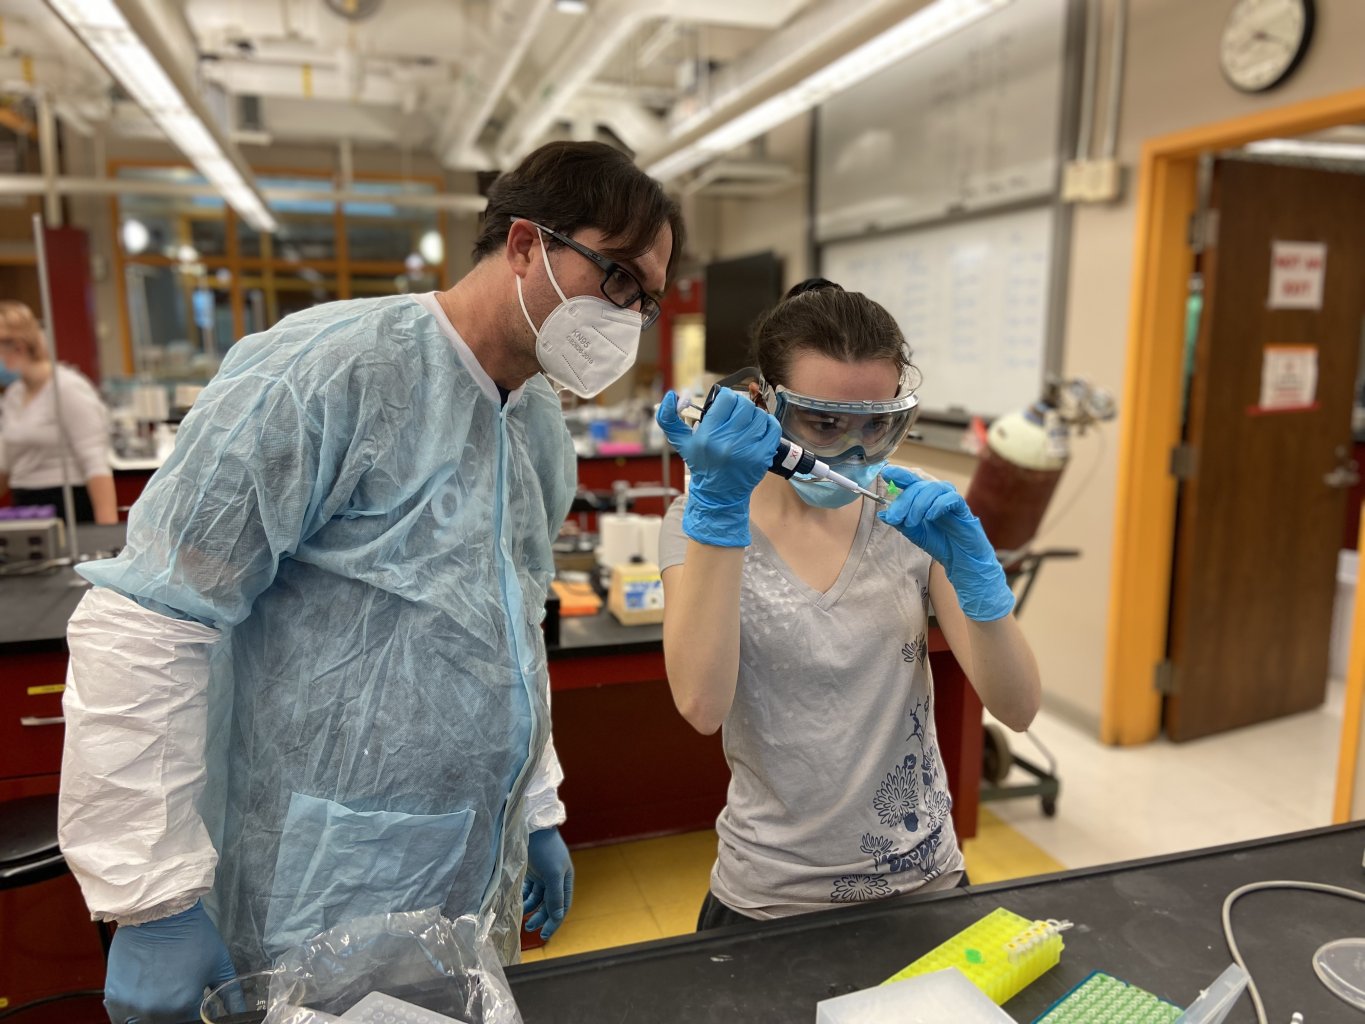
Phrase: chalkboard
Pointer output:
(935, 193)
(972, 300)
(972, 122)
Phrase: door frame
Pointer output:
(1144, 516)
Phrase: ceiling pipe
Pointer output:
(434, 31)
(1118, 49)
(782, 53)
(47, 160)
(76, 101)
(597, 41)
(378, 87)
(148, 47)
(35, 185)
(46, 58)
(845, 55)
(618, 109)
(1090, 65)
(660, 42)
(481, 87)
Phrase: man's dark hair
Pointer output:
(567, 186)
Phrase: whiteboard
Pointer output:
(971, 122)
(972, 299)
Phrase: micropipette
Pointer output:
(791, 458)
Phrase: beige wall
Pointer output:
(742, 227)
(1172, 82)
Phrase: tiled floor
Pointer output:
(1116, 804)
(651, 889)
(1124, 803)
(632, 892)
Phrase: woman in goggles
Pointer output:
(797, 616)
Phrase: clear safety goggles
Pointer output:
(840, 431)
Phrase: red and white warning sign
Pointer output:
(1289, 378)
(1296, 273)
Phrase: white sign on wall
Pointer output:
(1289, 378)
(1296, 273)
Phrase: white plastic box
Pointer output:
(928, 999)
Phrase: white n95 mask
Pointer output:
(585, 343)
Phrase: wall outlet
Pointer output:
(1091, 181)
(1073, 181)
(1105, 180)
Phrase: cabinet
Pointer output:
(48, 943)
(128, 487)
(31, 686)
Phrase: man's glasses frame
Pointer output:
(619, 286)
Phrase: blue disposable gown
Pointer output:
(370, 529)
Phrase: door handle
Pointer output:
(1347, 472)
(1342, 478)
(29, 721)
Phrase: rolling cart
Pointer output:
(996, 757)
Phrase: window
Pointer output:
(196, 277)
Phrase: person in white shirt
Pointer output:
(815, 609)
(37, 453)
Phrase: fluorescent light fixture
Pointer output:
(1309, 148)
(921, 30)
(572, 6)
(103, 27)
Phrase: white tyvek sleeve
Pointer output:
(136, 707)
(543, 806)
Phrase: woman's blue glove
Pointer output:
(548, 889)
(728, 453)
(933, 515)
(158, 971)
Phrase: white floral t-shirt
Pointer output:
(837, 792)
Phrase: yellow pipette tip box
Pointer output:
(1002, 954)
(636, 594)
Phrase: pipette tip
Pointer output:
(875, 497)
(851, 485)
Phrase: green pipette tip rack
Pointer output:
(1104, 999)
(1001, 954)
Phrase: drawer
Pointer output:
(31, 686)
(48, 944)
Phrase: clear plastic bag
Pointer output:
(358, 969)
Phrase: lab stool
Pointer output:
(29, 854)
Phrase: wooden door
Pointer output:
(1262, 501)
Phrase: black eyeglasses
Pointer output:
(619, 285)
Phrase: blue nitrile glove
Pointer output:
(728, 453)
(158, 971)
(548, 889)
(933, 515)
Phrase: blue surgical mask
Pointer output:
(7, 376)
(823, 494)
